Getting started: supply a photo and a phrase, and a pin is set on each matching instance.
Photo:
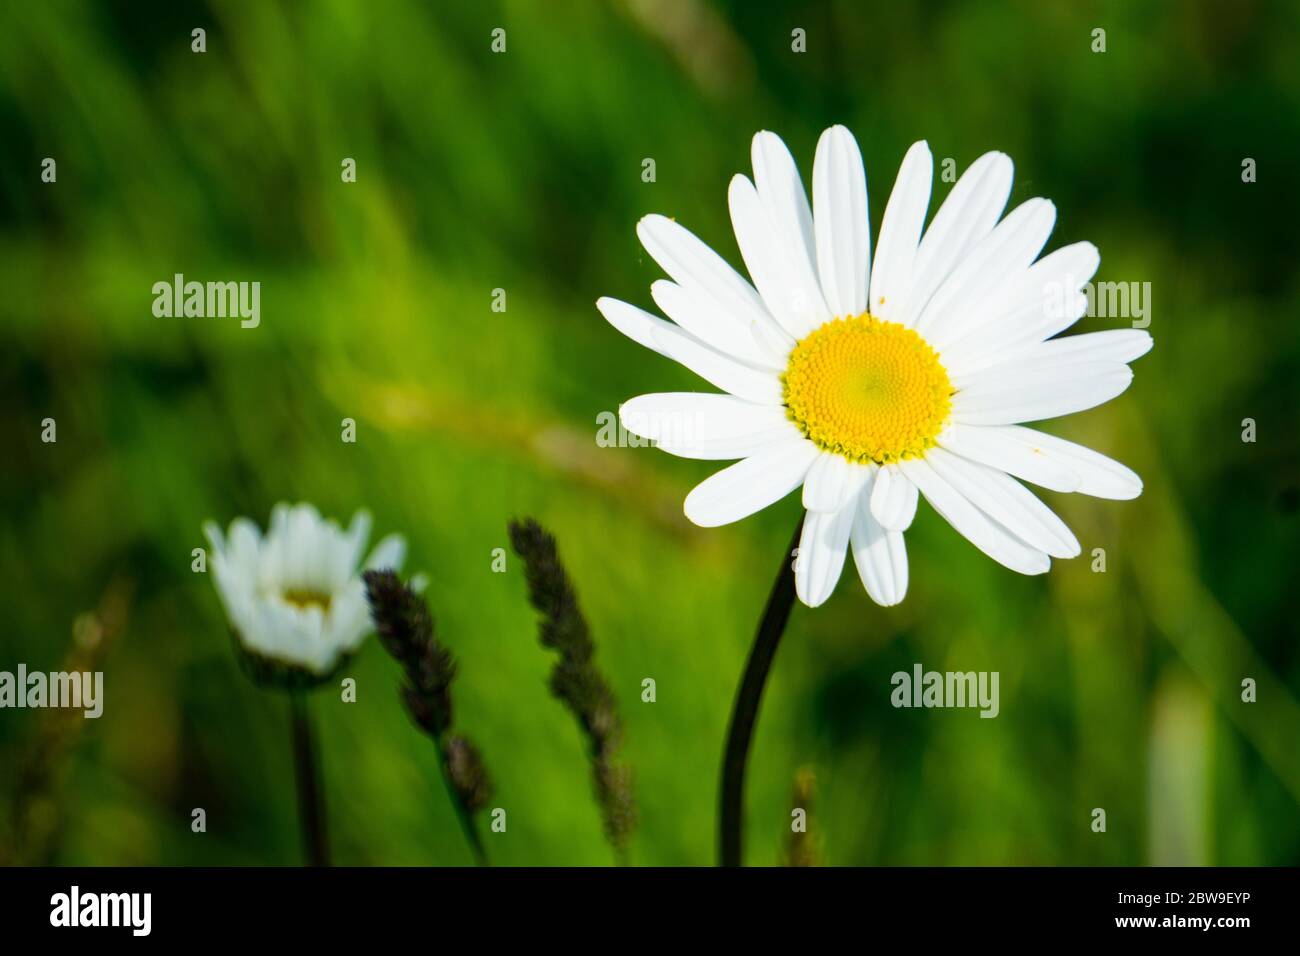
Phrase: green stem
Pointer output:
(744, 714)
(462, 812)
(311, 803)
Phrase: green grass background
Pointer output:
(522, 171)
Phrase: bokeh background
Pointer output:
(523, 171)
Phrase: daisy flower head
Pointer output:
(294, 596)
(871, 381)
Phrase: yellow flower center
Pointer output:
(868, 390)
(305, 597)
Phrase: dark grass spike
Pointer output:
(405, 629)
(575, 679)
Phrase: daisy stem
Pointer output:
(311, 803)
(744, 713)
(463, 813)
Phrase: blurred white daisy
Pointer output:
(294, 596)
(868, 382)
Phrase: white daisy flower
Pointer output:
(870, 382)
(295, 596)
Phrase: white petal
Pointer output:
(390, 552)
(998, 448)
(292, 634)
(773, 340)
(881, 557)
(1100, 476)
(346, 554)
(1034, 394)
(216, 540)
(750, 485)
(1003, 255)
(893, 499)
(900, 233)
(1043, 302)
(325, 545)
(766, 259)
(301, 551)
(1007, 502)
(698, 315)
(832, 481)
(823, 547)
(244, 544)
(969, 521)
(776, 177)
(1113, 345)
(729, 374)
(842, 222)
(705, 426)
(697, 268)
(728, 449)
(966, 216)
(349, 619)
